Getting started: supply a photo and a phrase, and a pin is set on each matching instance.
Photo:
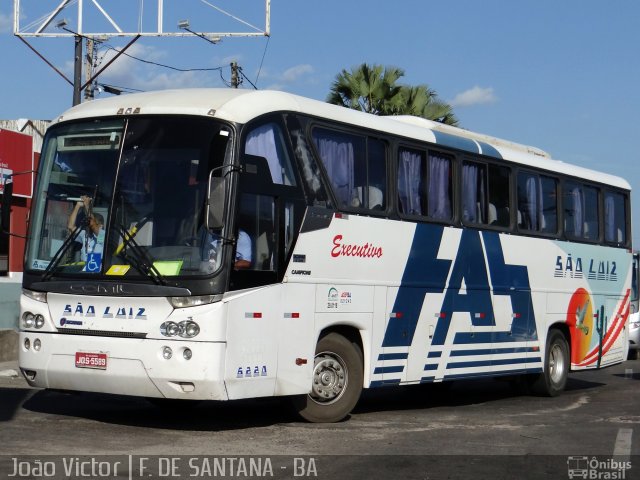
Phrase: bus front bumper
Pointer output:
(124, 366)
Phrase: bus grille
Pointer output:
(101, 333)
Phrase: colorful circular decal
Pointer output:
(580, 321)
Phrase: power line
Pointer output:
(247, 78)
(262, 61)
(212, 69)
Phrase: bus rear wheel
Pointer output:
(551, 382)
(337, 381)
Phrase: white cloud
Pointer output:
(474, 96)
(131, 73)
(294, 73)
(5, 23)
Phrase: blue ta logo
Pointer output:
(496, 277)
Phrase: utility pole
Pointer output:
(88, 69)
(235, 78)
(77, 69)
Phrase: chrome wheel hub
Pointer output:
(330, 378)
(556, 364)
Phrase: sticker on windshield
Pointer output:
(118, 269)
(94, 262)
(40, 264)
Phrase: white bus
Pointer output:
(224, 244)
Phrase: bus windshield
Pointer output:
(127, 197)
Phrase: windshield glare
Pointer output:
(127, 197)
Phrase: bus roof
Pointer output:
(241, 106)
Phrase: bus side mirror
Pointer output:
(5, 214)
(215, 202)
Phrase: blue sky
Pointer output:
(560, 75)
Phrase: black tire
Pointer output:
(337, 381)
(551, 382)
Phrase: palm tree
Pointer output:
(374, 89)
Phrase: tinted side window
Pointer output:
(474, 188)
(537, 203)
(411, 168)
(615, 225)
(374, 197)
(485, 194)
(268, 141)
(580, 211)
(356, 167)
(425, 187)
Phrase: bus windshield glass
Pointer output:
(127, 197)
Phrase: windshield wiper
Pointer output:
(140, 260)
(57, 257)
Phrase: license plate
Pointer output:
(91, 360)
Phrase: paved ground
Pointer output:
(478, 429)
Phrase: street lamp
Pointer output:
(184, 25)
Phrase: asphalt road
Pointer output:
(475, 429)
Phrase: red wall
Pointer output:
(16, 155)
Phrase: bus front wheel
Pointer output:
(337, 381)
(551, 382)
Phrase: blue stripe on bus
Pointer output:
(466, 338)
(491, 362)
(492, 373)
(384, 383)
(389, 369)
(393, 356)
(489, 150)
(434, 354)
(427, 379)
(490, 351)
(431, 367)
(456, 142)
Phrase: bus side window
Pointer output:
(343, 158)
(615, 225)
(411, 167)
(537, 203)
(256, 232)
(474, 188)
(499, 195)
(376, 179)
(267, 141)
(425, 188)
(581, 211)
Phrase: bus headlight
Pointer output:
(189, 329)
(28, 320)
(38, 321)
(169, 329)
(184, 329)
